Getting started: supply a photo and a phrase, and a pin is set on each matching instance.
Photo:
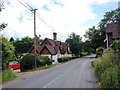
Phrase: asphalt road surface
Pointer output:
(73, 74)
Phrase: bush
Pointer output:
(109, 78)
(107, 69)
(44, 60)
(64, 59)
(28, 62)
(99, 51)
(8, 74)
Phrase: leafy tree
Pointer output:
(11, 39)
(95, 38)
(87, 47)
(23, 45)
(3, 25)
(110, 17)
(7, 51)
(75, 42)
(1, 6)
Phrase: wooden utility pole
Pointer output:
(35, 34)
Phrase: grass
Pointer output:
(107, 69)
(7, 75)
(0, 77)
(44, 67)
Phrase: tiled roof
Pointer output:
(53, 46)
(114, 29)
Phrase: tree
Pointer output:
(87, 47)
(110, 17)
(23, 45)
(11, 39)
(1, 6)
(75, 42)
(95, 37)
(8, 51)
(3, 25)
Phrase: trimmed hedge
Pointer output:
(64, 59)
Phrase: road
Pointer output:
(73, 74)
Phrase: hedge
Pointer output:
(64, 59)
(28, 62)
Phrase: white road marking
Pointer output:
(63, 74)
(53, 80)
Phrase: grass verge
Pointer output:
(7, 75)
(107, 69)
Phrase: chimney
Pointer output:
(54, 36)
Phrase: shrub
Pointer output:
(44, 60)
(64, 59)
(109, 78)
(28, 62)
(8, 74)
(99, 51)
(107, 69)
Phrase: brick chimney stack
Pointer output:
(54, 36)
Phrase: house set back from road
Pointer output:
(112, 33)
(52, 48)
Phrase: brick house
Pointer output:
(112, 33)
(52, 48)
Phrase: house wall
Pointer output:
(33, 51)
(54, 57)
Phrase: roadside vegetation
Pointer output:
(7, 75)
(106, 66)
(107, 69)
(28, 62)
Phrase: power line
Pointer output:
(40, 17)
(24, 5)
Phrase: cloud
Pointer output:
(65, 16)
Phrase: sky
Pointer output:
(60, 16)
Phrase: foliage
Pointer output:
(44, 60)
(110, 17)
(1, 6)
(116, 44)
(11, 39)
(107, 69)
(87, 47)
(75, 42)
(28, 62)
(85, 53)
(7, 75)
(23, 45)
(3, 25)
(97, 36)
(64, 59)
(99, 51)
(7, 51)
(94, 38)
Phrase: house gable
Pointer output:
(51, 47)
(45, 51)
(48, 49)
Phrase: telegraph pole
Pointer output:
(34, 11)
